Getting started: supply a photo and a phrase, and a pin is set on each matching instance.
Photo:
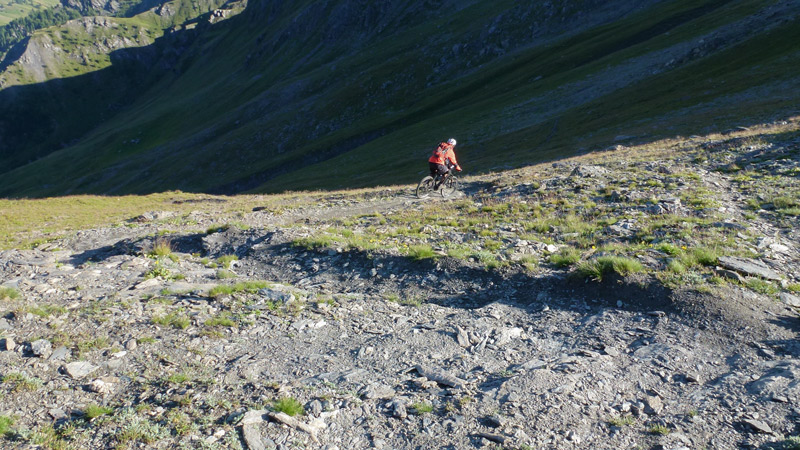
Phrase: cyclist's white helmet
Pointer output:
(451, 141)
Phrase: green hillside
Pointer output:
(302, 96)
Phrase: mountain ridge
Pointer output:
(274, 110)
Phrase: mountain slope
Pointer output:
(349, 93)
(644, 297)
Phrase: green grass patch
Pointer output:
(221, 320)
(174, 319)
(421, 408)
(162, 249)
(225, 274)
(794, 211)
(179, 378)
(597, 268)
(20, 382)
(668, 248)
(566, 257)
(46, 310)
(762, 286)
(659, 429)
(8, 293)
(622, 421)
(250, 287)
(93, 411)
(289, 406)
(676, 267)
(225, 261)
(5, 425)
(421, 252)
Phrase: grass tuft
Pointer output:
(421, 252)
(7, 293)
(93, 411)
(289, 406)
(597, 268)
(565, 257)
(5, 425)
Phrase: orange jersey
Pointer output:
(443, 152)
(451, 155)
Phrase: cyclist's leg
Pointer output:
(441, 170)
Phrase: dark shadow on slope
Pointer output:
(45, 117)
(189, 243)
(14, 53)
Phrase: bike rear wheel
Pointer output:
(449, 186)
(425, 187)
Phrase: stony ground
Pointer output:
(377, 320)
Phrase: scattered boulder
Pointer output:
(748, 266)
(8, 344)
(42, 348)
(789, 299)
(588, 171)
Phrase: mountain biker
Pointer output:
(443, 160)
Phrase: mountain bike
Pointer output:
(447, 187)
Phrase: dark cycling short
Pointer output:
(437, 169)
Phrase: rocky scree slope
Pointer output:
(376, 320)
(299, 96)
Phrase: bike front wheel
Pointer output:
(449, 186)
(425, 187)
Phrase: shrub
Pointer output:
(288, 405)
(596, 269)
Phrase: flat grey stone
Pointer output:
(4, 325)
(758, 426)
(791, 300)
(250, 430)
(377, 391)
(58, 414)
(60, 354)
(653, 405)
(79, 369)
(748, 266)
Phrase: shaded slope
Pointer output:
(302, 96)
